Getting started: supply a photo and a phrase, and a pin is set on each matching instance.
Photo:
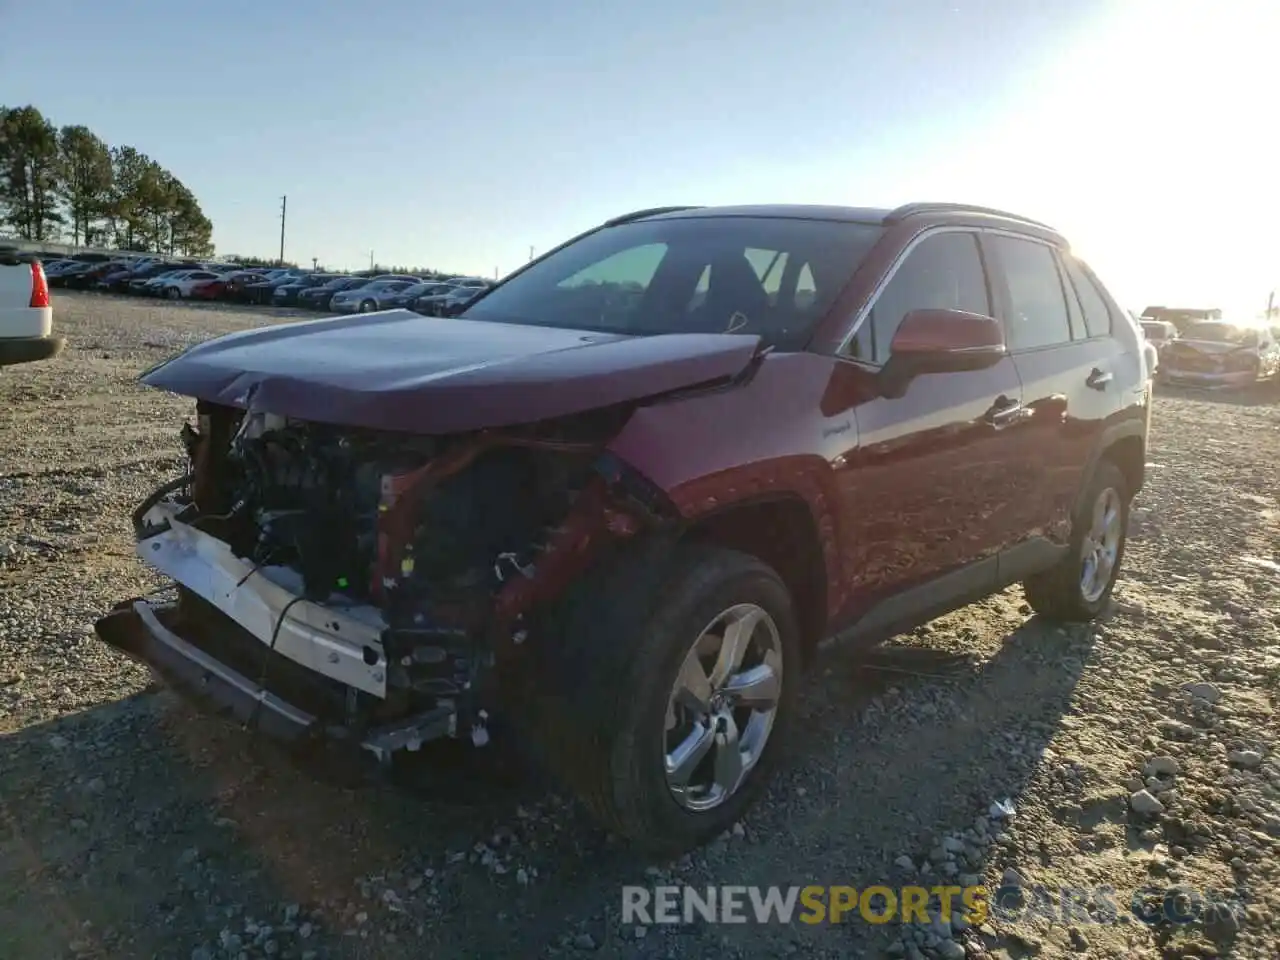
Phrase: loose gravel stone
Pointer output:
(1203, 691)
(1144, 803)
(1245, 758)
(1163, 766)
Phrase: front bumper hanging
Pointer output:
(135, 629)
(338, 644)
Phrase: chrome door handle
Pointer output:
(1098, 379)
(1005, 412)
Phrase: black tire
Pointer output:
(1057, 594)
(601, 706)
(173, 293)
(368, 306)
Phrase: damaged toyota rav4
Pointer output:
(613, 509)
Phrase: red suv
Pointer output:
(612, 509)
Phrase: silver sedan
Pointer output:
(370, 297)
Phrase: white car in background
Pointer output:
(152, 285)
(178, 286)
(26, 316)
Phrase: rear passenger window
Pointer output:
(1097, 318)
(1037, 309)
(944, 271)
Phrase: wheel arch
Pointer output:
(782, 532)
(1129, 453)
(1124, 444)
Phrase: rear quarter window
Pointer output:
(1097, 318)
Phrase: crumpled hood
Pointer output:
(1209, 348)
(396, 370)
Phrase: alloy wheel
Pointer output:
(1101, 545)
(722, 707)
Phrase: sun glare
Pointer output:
(1151, 142)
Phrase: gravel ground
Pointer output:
(1135, 752)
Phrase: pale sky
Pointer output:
(460, 133)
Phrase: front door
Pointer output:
(928, 496)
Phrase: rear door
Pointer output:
(1058, 328)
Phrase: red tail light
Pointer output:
(39, 286)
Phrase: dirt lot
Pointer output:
(130, 827)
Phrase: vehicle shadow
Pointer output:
(142, 828)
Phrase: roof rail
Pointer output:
(648, 212)
(917, 209)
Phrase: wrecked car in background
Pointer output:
(614, 507)
(1220, 353)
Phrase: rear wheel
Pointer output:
(675, 694)
(1078, 588)
(368, 306)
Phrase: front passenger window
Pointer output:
(1037, 307)
(944, 271)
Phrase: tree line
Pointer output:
(70, 184)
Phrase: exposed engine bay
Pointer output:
(295, 544)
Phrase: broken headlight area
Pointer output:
(380, 580)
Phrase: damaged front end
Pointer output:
(338, 585)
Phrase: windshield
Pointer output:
(1220, 333)
(771, 276)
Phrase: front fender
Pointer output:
(763, 439)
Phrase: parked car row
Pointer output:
(277, 286)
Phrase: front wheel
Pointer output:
(1078, 588)
(173, 293)
(680, 690)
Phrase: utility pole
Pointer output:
(531, 252)
(371, 260)
(284, 203)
